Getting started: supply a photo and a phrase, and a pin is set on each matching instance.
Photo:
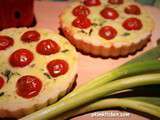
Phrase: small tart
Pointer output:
(38, 67)
(107, 28)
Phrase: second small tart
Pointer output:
(37, 67)
(107, 28)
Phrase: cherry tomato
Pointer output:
(92, 2)
(81, 22)
(81, 10)
(115, 1)
(57, 67)
(1, 82)
(21, 58)
(5, 42)
(132, 24)
(133, 9)
(28, 86)
(107, 32)
(109, 13)
(30, 36)
(47, 47)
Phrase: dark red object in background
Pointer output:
(16, 13)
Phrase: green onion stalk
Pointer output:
(60, 107)
(150, 105)
(138, 65)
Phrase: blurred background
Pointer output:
(148, 2)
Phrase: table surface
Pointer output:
(89, 67)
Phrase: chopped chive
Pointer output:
(32, 65)
(64, 51)
(8, 74)
(47, 75)
(126, 34)
(94, 24)
(90, 32)
(82, 31)
(102, 23)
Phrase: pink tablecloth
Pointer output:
(88, 67)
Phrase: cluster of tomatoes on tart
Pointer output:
(37, 67)
(107, 28)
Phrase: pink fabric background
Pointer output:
(88, 67)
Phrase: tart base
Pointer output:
(25, 111)
(101, 51)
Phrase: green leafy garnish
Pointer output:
(94, 24)
(8, 74)
(82, 31)
(47, 75)
(64, 51)
(126, 34)
(90, 32)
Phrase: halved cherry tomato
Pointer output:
(21, 58)
(28, 86)
(47, 47)
(1, 82)
(115, 1)
(81, 22)
(81, 10)
(133, 9)
(92, 2)
(5, 42)
(108, 32)
(109, 13)
(57, 67)
(132, 24)
(30, 36)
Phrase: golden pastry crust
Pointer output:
(102, 51)
(21, 112)
(95, 45)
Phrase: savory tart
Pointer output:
(37, 66)
(107, 28)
